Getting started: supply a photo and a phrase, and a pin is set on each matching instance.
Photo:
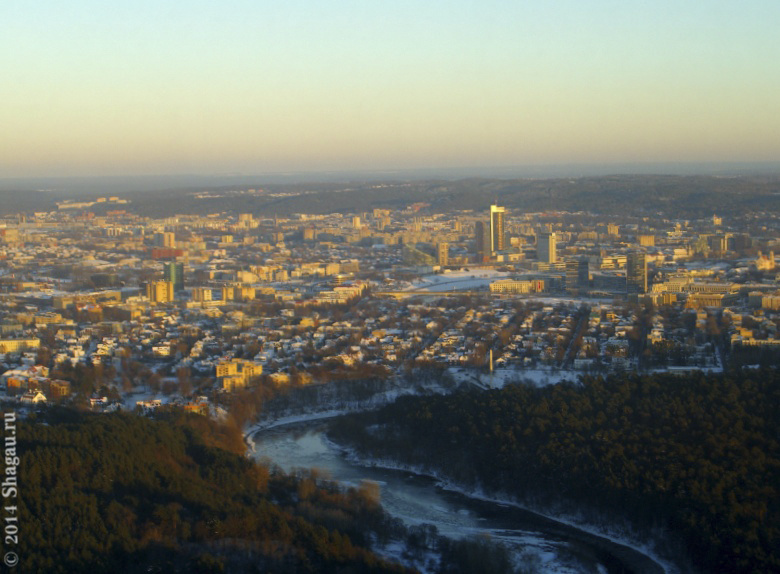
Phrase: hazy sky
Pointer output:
(153, 87)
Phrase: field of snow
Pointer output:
(458, 280)
(501, 377)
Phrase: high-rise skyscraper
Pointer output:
(583, 273)
(546, 246)
(636, 273)
(577, 275)
(174, 272)
(444, 253)
(497, 228)
(482, 239)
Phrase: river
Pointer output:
(554, 547)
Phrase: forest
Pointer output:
(696, 457)
(123, 493)
(176, 493)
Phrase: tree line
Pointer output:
(122, 493)
(696, 456)
(176, 493)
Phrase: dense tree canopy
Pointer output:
(699, 456)
(122, 493)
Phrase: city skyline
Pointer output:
(143, 88)
(227, 314)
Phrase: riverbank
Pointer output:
(304, 413)
(250, 431)
(640, 556)
(624, 552)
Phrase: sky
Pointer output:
(212, 87)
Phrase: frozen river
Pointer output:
(552, 546)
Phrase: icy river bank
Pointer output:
(551, 545)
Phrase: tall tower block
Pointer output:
(497, 232)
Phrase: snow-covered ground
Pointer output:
(458, 280)
(129, 400)
(500, 377)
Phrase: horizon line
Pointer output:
(553, 169)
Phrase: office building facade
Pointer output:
(497, 230)
(444, 254)
(174, 272)
(165, 239)
(546, 247)
(159, 291)
(577, 275)
(636, 273)
(482, 239)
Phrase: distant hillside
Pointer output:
(638, 195)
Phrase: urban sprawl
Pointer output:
(122, 311)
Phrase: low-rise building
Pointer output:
(236, 373)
